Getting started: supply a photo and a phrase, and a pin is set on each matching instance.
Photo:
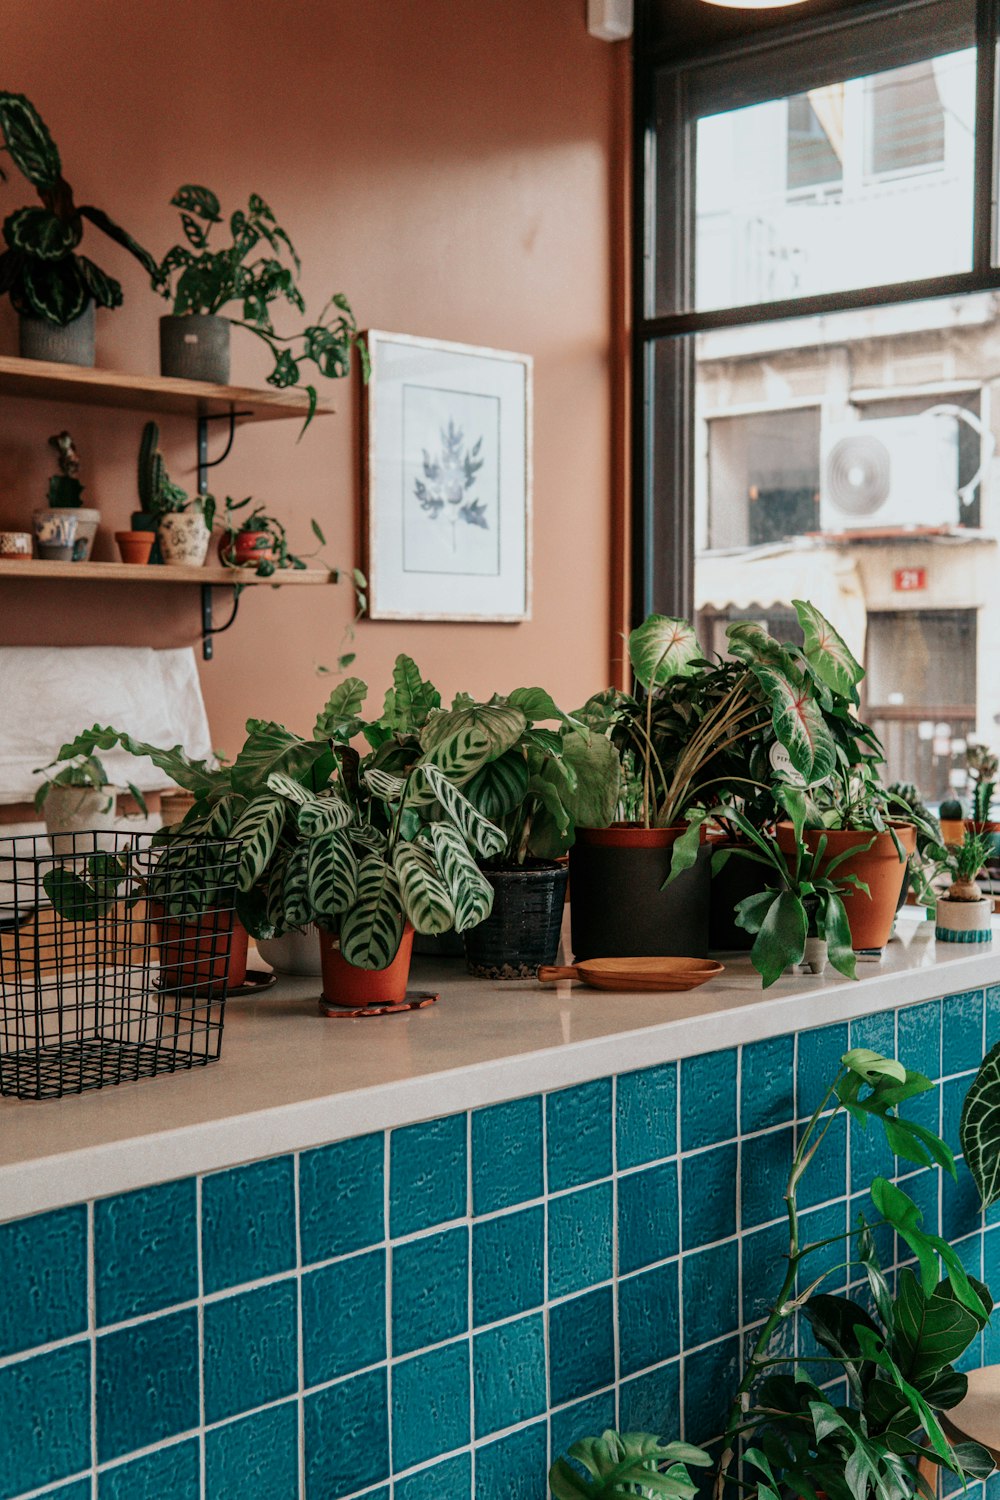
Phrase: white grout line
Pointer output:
(300, 1407)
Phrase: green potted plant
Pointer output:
(962, 914)
(77, 797)
(65, 497)
(258, 268)
(895, 1346)
(183, 525)
(259, 541)
(982, 764)
(53, 288)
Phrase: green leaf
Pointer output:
(194, 776)
(371, 930)
(597, 767)
(55, 289)
(798, 722)
(324, 815)
(386, 786)
(905, 1217)
(684, 854)
(536, 705)
(411, 699)
(198, 200)
(72, 897)
(502, 725)
(470, 891)
(661, 648)
(477, 830)
(338, 718)
(258, 826)
(458, 757)
(27, 138)
(271, 747)
(980, 1128)
(871, 1066)
(39, 232)
(426, 897)
(836, 930)
(928, 1332)
(500, 786)
(332, 874)
(291, 875)
(104, 289)
(781, 939)
(827, 652)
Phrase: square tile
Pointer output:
(711, 1281)
(819, 1054)
(427, 1174)
(44, 1419)
(767, 1083)
(647, 1216)
(925, 1190)
(342, 1197)
(918, 1030)
(580, 1239)
(346, 1436)
(962, 1032)
(651, 1402)
(172, 1473)
(882, 1234)
(960, 1210)
(647, 1115)
(766, 1162)
(710, 1377)
(78, 1490)
(343, 1317)
(765, 1261)
(581, 1345)
(251, 1350)
(256, 1455)
(578, 1125)
(145, 1250)
(507, 1164)
(430, 1404)
(508, 1374)
(953, 1092)
(430, 1290)
(451, 1480)
(147, 1385)
(648, 1318)
(870, 1155)
(815, 1226)
(248, 1223)
(992, 1015)
(876, 1032)
(513, 1468)
(708, 1194)
(708, 1099)
(587, 1418)
(508, 1265)
(826, 1175)
(44, 1262)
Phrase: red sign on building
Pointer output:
(909, 580)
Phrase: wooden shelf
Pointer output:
(115, 572)
(41, 380)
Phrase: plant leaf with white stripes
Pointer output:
(478, 831)
(501, 724)
(371, 930)
(499, 786)
(258, 826)
(386, 786)
(285, 787)
(426, 898)
(295, 888)
(220, 821)
(980, 1128)
(323, 815)
(458, 757)
(333, 874)
(275, 902)
(471, 892)
(366, 836)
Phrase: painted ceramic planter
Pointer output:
(81, 520)
(963, 921)
(184, 538)
(55, 533)
(345, 985)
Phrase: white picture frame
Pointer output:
(446, 481)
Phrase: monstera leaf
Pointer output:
(619, 1465)
(332, 875)
(828, 653)
(661, 648)
(426, 897)
(470, 891)
(371, 930)
(258, 826)
(27, 138)
(501, 725)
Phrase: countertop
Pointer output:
(289, 1078)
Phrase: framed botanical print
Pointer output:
(447, 481)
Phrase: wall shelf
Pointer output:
(38, 569)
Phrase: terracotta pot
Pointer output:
(347, 986)
(135, 546)
(247, 547)
(184, 538)
(198, 955)
(880, 868)
(970, 825)
(618, 907)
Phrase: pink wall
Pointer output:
(456, 167)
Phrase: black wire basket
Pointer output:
(114, 959)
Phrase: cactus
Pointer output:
(157, 492)
(951, 810)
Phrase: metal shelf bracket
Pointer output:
(208, 630)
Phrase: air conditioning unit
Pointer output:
(895, 471)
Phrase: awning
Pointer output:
(762, 576)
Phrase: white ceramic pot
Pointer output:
(964, 921)
(295, 952)
(71, 810)
(184, 538)
(814, 958)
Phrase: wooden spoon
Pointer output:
(636, 973)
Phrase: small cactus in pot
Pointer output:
(963, 914)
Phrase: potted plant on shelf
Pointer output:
(65, 497)
(183, 525)
(194, 338)
(259, 541)
(962, 914)
(52, 287)
(982, 764)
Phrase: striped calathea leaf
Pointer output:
(332, 874)
(475, 829)
(470, 891)
(459, 757)
(426, 897)
(367, 836)
(323, 815)
(501, 724)
(371, 930)
(258, 827)
(384, 784)
(295, 894)
(499, 786)
(275, 899)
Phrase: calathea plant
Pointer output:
(41, 270)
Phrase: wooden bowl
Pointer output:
(654, 974)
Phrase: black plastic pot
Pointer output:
(66, 344)
(737, 879)
(522, 931)
(195, 347)
(617, 906)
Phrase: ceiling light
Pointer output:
(755, 4)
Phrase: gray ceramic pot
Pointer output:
(69, 345)
(195, 347)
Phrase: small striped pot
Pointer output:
(964, 921)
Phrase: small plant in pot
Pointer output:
(962, 913)
(77, 798)
(259, 542)
(256, 270)
(65, 497)
(982, 764)
(183, 525)
(53, 288)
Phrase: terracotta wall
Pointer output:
(456, 167)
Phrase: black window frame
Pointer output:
(662, 491)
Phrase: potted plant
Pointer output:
(982, 764)
(894, 1346)
(194, 337)
(77, 798)
(183, 525)
(65, 497)
(259, 541)
(962, 914)
(53, 289)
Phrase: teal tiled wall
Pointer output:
(432, 1313)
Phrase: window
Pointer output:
(819, 334)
